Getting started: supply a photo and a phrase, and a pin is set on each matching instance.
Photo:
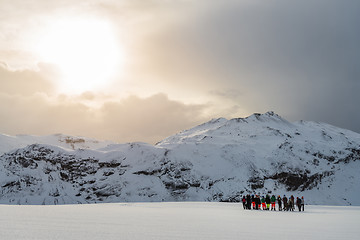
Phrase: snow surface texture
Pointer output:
(217, 161)
(175, 221)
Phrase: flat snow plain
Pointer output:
(183, 220)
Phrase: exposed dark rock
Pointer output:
(195, 184)
(11, 184)
(322, 156)
(109, 173)
(299, 181)
(64, 176)
(144, 172)
(109, 164)
(256, 183)
(354, 155)
(176, 185)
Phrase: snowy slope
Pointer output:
(8, 143)
(217, 161)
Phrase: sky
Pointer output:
(143, 70)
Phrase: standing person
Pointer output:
(292, 203)
(244, 201)
(302, 203)
(263, 203)
(253, 201)
(298, 203)
(267, 201)
(273, 200)
(248, 202)
(257, 202)
(285, 201)
(279, 202)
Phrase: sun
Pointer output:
(84, 49)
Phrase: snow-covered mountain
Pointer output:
(8, 143)
(216, 161)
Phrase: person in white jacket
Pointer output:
(302, 203)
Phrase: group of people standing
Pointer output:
(264, 203)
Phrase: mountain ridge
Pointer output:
(216, 161)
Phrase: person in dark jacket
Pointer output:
(248, 202)
(279, 202)
(267, 201)
(285, 201)
(257, 202)
(298, 203)
(292, 203)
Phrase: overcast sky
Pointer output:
(183, 63)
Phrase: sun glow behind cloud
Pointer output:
(85, 50)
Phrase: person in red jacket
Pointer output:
(263, 203)
(244, 202)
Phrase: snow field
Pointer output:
(182, 220)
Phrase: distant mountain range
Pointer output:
(219, 160)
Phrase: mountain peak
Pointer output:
(264, 116)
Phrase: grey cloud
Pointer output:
(227, 93)
(131, 119)
(23, 82)
(151, 118)
(299, 58)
